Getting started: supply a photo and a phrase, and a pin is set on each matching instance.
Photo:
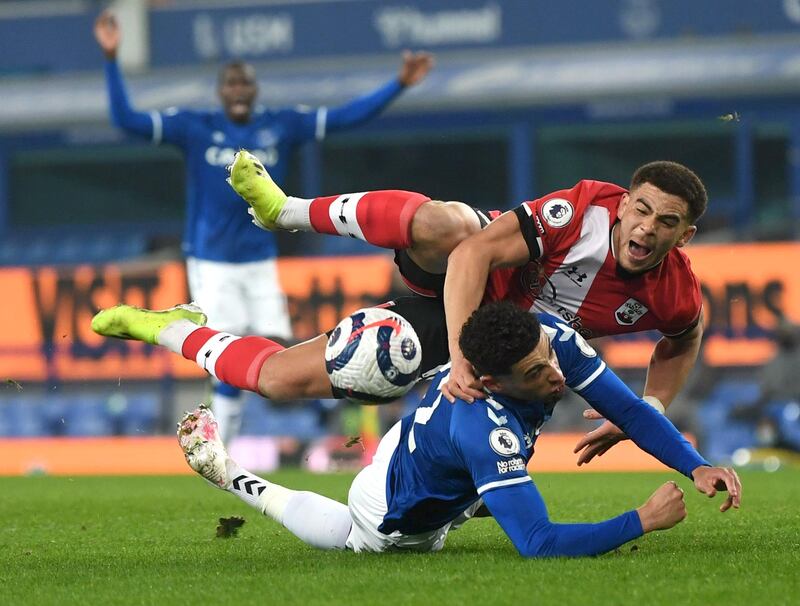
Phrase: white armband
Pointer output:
(655, 403)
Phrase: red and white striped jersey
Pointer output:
(573, 274)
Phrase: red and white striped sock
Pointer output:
(382, 218)
(234, 360)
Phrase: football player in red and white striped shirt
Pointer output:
(603, 259)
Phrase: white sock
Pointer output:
(316, 520)
(270, 499)
(174, 334)
(295, 214)
(228, 413)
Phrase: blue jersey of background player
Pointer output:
(449, 456)
(217, 228)
(231, 266)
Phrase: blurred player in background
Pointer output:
(230, 264)
(435, 467)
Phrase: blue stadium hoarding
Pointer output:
(351, 27)
(184, 33)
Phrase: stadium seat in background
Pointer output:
(262, 418)
(786, 416)
(141, 415)
(21, 418)
(87, 416)
(721, 435)
(53, 412)
(46, 248)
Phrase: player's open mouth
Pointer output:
(637, 251)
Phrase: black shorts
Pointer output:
(426, 315)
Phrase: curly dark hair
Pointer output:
(675, 179)
(497, 336)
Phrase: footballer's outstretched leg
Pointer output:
(129, 322)
(251, 363)
(396, 219)
(316, 520)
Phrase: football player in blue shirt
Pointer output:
(436, 467)
(231, 263)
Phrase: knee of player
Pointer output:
(442, 225)
(275, 381)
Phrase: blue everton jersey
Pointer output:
(218, 227)
(450, 455)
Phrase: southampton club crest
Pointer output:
(629, 312)
(557, 212)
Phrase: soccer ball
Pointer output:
(373, 355)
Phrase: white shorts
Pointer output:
(240, 298)
(367, 503)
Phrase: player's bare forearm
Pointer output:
(499, 245)
(464, 285)
(671, 363)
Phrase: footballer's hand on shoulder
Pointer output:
(598, 441)
(462, 383)
(664, 509)
(710, 480)
(107, 33)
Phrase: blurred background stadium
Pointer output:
(526, 98)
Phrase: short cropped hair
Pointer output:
(675, 179)
(236, 64)
(497, 336)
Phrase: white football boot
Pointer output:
(202, 446)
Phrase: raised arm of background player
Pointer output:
(414, 68)
(501, 244)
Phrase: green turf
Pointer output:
(151, 541)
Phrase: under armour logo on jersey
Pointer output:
(252, 487)
(575, 274)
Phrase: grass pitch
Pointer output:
(144, 540)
